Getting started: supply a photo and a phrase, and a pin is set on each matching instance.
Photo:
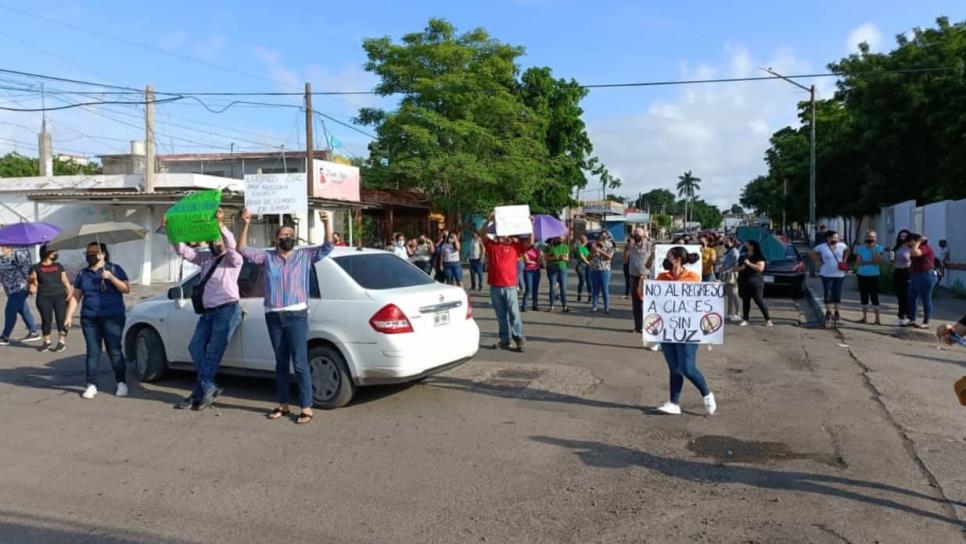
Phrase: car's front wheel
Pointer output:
(149, 357)
(332, 385)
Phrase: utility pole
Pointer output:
(309, 166)
(784, 202)
(149, 139)
(811, 166)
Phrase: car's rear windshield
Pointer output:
(382, 271)
(791, 254)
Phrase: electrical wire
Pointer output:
(84, 104)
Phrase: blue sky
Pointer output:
(646, 135)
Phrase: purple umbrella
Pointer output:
(28, 234)
(547, 226)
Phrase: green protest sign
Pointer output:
(192, 219)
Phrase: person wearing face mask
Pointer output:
(582, 253)
(100, 290)
(287, 272)
(49, 284)
(832, 257)
(708, 258)
(452, 262)
(14, 271)
(558, 259)
(729, 275)
(682, 359)
(399, 248)
(423, 253)
(502, 254)
(922, 279)
(639, 255)
(751, 283)
(601, 255)
(220, 314)
(901, 261)
(868, 256)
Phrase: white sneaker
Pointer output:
(655, 347)
(121, 390)
(670, 408)
(743, 324)
(769, 323)
(709, 404)
(90, 392)
(904, 322)
(734, 318)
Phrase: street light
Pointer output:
(811, 169)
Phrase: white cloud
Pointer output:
(718, 131)
(868, 33)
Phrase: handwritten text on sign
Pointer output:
(270, 194)
(192, 219)
(684, 312)
(512, 220)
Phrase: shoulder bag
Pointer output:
(198, 293)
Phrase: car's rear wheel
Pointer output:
(332, 385)
(149, 358)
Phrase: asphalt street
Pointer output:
(821, 436)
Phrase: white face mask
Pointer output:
(400, 243)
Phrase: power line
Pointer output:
(84, 104)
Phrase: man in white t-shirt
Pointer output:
(831, 257)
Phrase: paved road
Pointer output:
(821, 436)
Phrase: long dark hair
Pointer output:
(755, 247)
(681, 254)
(899, 240)
(103, 249)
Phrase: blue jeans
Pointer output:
(17, 304)
(289, 333)
(425, 266)
(832, 289)
(600, 282)
(208, 344)
(921, 285)
(507, 309)
(454, 273)
(583, 279)
(682, 362)
(558, 277)
(476, 274)
(707, 277)
(521, 281)
(106, 331)
(533, 287)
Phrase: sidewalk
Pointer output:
(945, 309)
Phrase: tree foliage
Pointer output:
(657, 200)
(470, 129)
(894, 131)
(13, 165)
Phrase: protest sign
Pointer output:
(660, 252)
(192, 219)
(512, 220)
(681, 312)
(271, 194)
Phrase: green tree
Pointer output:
(707, 214)
(688, 186)
(736, 209)
(657, 200)
(468, 129)
(15, 165)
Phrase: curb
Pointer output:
(818, 314)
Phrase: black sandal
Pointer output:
(277, 413)
(304, 418)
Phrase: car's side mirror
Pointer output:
(177, 295)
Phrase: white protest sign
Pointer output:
(270, 194)
(512, 220)
(660, 252)
(680, 312)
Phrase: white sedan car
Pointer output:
(373, 319)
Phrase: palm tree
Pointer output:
(688, 187)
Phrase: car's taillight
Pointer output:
(469, 308)
(800, 267)
(391, 320)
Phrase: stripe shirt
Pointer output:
(287, 279)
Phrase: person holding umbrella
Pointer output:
(14, 272)
(100, 290)
(52, 290)
(287, 270)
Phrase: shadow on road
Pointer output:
(599, 455)
(28, 529)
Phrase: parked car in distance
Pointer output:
(373, 319)
(787, 273)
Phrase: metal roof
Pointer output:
(230, 198)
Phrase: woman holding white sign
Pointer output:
(682, 359)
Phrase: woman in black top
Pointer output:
(751, 284)
(48, 281)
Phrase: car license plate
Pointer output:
(769, 279)
(441, 319)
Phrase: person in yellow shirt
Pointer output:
(708, 258)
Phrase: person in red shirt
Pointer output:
(922, 279)
(502, 255)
